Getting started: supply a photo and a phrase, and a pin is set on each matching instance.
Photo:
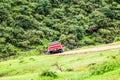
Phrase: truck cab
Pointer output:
(54, 47)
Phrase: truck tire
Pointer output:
(60, 51)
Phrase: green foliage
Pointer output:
(47, 73)
(117, 39)
(104, 32)
(108, 12)
(43, 7)
(4, 11)
(26, 23)
(8, 50)
(105, 67)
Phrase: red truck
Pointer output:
(54, 47)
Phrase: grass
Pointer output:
(112, 75)
(73, 67)
(100, 45)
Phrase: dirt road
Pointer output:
(90, 50)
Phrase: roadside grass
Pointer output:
(72, 67)
(35, 52)
(112, 75)
(100, 45)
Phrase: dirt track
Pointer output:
(90, 50)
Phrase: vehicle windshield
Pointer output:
(53, 43)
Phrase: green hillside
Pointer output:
(104, 65)
(31, 24)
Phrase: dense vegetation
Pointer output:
(27, 24)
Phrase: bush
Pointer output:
(8, 50)
(105, 67)
(43, 7)
(89, 41)
(3, 11)
(25, 22)
(108, 12)
(48, 73)
(24, 44)
(2, 40)
(104, 32)
(58, 13)
(117, 39)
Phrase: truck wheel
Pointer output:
(60, 51)
(51, 52)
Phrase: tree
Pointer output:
(24, 21)
(108, 12)
(8, 50)
(43, 7)
(3, 11)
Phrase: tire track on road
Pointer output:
(97, 49)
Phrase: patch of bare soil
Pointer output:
(97, 49)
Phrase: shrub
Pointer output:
(58, 13)
(105, 67)
(108, 12)
(8, 50)
(2, 40)
(48, 73)
(104, 31)
(25, 22)
(69, 69)
(3, 11)
(117, 39)
(43, 7)
(89, 42)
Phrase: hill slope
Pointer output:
(98, 65)
(31, 24)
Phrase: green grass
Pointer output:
(73, 67)
(100, 45)
(112, 75)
